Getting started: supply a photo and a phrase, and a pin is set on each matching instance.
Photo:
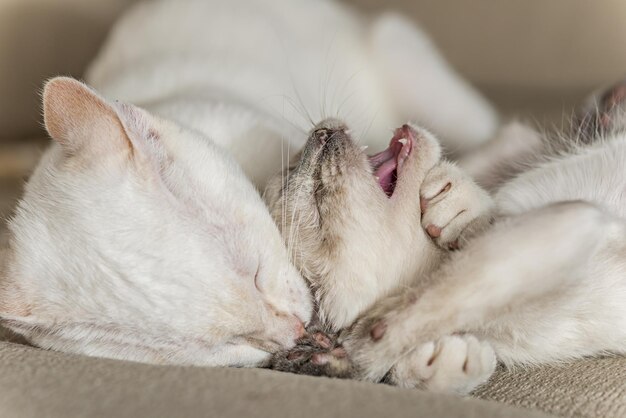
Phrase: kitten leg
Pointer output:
(424, 86)
(452, 364)
(496, 273)
(453, 207)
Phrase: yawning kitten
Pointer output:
(544, 284)
(354, 223)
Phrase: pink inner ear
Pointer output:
(76, 116)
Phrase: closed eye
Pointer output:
(256, 278)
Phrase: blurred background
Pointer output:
(533, 58)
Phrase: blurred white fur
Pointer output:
(255, 75)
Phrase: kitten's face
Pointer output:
(136, 239)
(352, 222)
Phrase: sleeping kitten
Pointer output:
(138, 237)
(544, 284)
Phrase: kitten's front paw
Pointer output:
(452, 364)
(453, 207)
(315, 354)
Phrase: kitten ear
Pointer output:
(80, 119)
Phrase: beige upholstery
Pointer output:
(40, 39)
(532, 44)
(36, 383)
(585, 388)
(532, 57)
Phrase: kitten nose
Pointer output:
(328, 128)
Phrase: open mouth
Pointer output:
(386, 165)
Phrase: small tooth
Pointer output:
(364, 147)
(403, 141)
(377, 178)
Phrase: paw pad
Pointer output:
(434, 231)
(378, 331)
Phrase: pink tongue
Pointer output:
(385, 174)
(387, 163)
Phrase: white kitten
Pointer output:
(138, 238)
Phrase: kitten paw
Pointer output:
(372, 340)
(315, 354)
(384, 344)
(453, 207)
(452, 364)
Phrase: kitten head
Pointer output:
(138, 239)
(352, 222)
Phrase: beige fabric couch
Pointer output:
(533, 58)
